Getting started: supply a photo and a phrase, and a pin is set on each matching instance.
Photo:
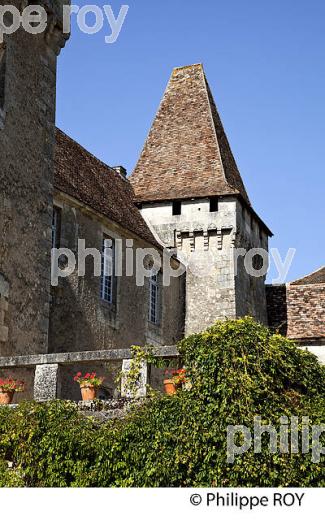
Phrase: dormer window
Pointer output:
(214, 204)
(2, 75)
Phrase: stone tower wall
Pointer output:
(250, 289)
(205, 242)
(26, 177)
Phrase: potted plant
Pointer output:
(8, 387)
(175, 380)
(89, 384)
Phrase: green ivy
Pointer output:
(238, 370)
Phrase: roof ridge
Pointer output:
(213, 123)
(302, 278)
(189, 66)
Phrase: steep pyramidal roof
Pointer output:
(187, 153)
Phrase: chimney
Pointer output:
(121, 170)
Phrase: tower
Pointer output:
(191, 194)
(27, 125)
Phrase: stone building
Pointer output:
(185, 197)
(94, 203)
(27, 137)
(191, 194)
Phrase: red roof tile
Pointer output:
(82, 176)
(187, 153)
(313, 278)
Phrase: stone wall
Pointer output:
(81, 321)
(26, 178)
(205, 242)
(250, 289)
(276, 297)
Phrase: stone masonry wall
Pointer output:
(205, 242)
(250, 289)
(26, 177)
(276, 297)
(80, 320)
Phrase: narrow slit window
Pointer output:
(177, 207)
(107, 276)
(214, 204)
(56, 227)
(2, 75)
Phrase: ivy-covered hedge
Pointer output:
(238, 370)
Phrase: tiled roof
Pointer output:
(297, 309)
(187, 153)
(306, 311)
(313, 278)
(82, 176)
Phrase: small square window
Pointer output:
(214, 204)
(177, 207)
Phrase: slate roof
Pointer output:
(84, 177)
(187, 154)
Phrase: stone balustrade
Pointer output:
(47, 366)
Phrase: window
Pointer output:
(214, 204)
(2, 75)
(107, 276)
(56, 227)
(177, 207)
(154, 299)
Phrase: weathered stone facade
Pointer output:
(81, 320)
(187, 160)
(26, 180)
(186, 195)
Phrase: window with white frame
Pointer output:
(154, 298)
(107, 276)
(56, 227)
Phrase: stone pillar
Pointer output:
(46, 382)
(141, 385)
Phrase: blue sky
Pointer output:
(265, 62)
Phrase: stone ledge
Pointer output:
(107, 410)
(81, 357)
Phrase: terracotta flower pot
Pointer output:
(170, 388)
(6, 397)
(88, 393)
